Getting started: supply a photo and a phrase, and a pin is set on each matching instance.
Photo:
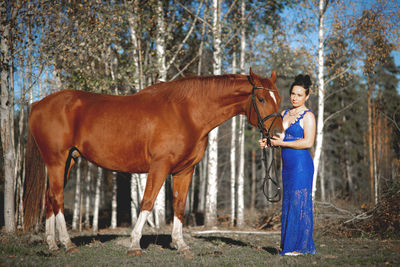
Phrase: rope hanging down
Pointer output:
(270, 184)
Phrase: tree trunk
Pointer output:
(212, 182)
(97, 201)
(321, 95)
(240, 182)
(6, 107)
(370, 149)
(375, 156)
(253, 178)
(19, 159)
(133, 20)
(88, 194)
(233, 154)
(77, 200)
(159, 205)
(233, 171)
(114, 203)
(322, 175)
(203, 183)
(203, 32)
(134, 198)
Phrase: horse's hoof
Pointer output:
(135, 252)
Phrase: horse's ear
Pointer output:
(252, 75)
(273, 76)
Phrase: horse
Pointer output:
(160, 130)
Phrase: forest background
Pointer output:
(120, 47)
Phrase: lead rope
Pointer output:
(269, 182)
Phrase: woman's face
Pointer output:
(298, 96)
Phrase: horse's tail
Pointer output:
(34, 183)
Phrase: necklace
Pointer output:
(294, 112)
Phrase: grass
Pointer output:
(109, 249)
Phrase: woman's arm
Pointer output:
(309, 135)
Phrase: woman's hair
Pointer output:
(303, 81)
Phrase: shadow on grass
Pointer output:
(87, 239)
(271, 250)
(161, 240)
(226, 240)
(233, 242)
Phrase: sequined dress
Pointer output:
(297, 208)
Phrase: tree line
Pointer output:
(121, 47)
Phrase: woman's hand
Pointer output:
(277, 141)
(263, 143)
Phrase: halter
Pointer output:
(276, 197)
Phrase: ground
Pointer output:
(108, 248)
(343, 237)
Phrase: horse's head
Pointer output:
(262, 107)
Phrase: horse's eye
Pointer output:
(262, 100)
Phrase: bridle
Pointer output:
(261, 120)
(266, 133)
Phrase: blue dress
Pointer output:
(297, 208)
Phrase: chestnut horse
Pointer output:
(161, 130)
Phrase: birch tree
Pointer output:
(212, 179)
(6, 117)
(133, 19)
(159, 205)
(321, 93)
(77, 199)
(114, 203)
(88, 194)
(233, 155)
(96, 208)
(240, 187)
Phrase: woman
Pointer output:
(297, 171)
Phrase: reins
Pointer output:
(274, 183)
(268, 179)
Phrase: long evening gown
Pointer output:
(297, 177)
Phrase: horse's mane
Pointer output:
(194, 87)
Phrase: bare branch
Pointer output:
(184, 68)
(392, 120)
(186, 37)
(341, 73)
(191, 13)
(229, 10)
(343, 109)
(235, 232)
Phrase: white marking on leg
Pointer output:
(62, 231)
(136, 234)
(177, 236)
(273, 96)
(51, 232)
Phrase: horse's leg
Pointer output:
(56, 197)
(155, 179)
(181, 182)
(50, 224)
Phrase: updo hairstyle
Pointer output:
(303, 81)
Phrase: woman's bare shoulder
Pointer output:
(309, 116)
